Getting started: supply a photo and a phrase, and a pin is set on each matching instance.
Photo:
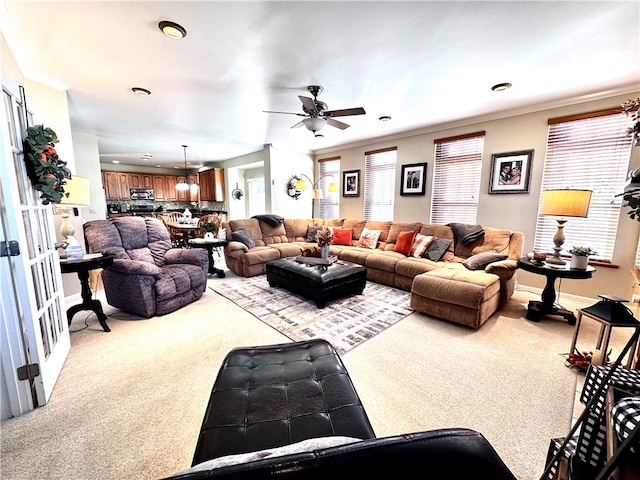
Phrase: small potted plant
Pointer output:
(580, 257)
(210, 229)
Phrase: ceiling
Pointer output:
(423, 63)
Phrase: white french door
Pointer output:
(35, 334)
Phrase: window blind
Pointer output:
(379, 184)
(591, 151)
(329, 205)
(456, 179)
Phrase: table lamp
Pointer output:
(561, 204)
(78, 190)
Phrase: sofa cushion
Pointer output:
(404, 242)
(311, 234)
(342, 236)
(438, 249)
(355, 225)
(333, 222)
(296, 229)
(177, 279)
(420, 244)
(494, 239)
(243, 237)
(481, 260)
(369, 238)
(271, 234)
(249, 225)
(384, 228)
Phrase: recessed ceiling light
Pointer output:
(115, 161)
(172, 29)
(142, 92)
(319, 135)
(501, 87)
(384, 118)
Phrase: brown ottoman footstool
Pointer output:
(461, 296)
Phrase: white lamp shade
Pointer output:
(78, 190)
(565, 203)
(314, 124)
(316, 193)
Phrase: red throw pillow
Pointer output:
(403, 244)
(342, 236)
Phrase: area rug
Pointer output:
(345, 322)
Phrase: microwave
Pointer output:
(141, 193)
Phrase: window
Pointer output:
(379, 183)
(589, 151)
(329, 205)
(456, 178)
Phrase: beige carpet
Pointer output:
(129, 403)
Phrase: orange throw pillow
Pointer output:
(420, 244)
(404, 242)
(342, 236)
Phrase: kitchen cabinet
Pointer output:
(123, 185)
(117, 185)
(140, 180)
(170, 192)
(158, 187)
(110, 182)
(194, 191)
(212, 185)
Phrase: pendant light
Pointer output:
(184, 184)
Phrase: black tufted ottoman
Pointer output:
(317, 283)
(270, 396)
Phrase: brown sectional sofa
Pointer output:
(445, 289)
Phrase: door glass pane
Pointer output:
(31, 246)
(44, 322)
(37, 276)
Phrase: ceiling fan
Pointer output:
(317, 112)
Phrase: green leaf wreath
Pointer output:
(47, 172)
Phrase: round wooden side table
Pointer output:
(82, 266)
(538, 309)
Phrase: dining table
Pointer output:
(189, 230)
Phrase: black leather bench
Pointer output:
(270, 396)
(274, 396)
(317, 283)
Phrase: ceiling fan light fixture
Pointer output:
(172, 29)
(141, 92)
(501, 87)
(314, 124)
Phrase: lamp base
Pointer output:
(555, 260)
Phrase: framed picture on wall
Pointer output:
(511, 172)
(413, 179)
(351, 183)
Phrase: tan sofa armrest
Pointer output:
(501, 265)
(234, 247)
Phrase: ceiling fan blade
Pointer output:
(298, 125)
(336, 123)
(345, 112)
(308, 103)
(286, 113)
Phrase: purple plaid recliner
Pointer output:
(148, 277)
